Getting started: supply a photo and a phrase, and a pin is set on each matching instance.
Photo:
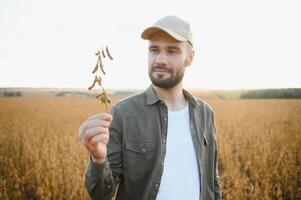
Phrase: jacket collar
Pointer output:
(152, 97)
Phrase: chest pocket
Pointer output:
(138, 159)
(140, 147)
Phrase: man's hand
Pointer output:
(94, 135)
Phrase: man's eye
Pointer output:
(153, 50)
(172, 51)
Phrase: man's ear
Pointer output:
(189, 57)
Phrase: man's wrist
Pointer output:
(97, 161)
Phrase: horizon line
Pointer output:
(121, 88)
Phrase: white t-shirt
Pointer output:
(180, 179)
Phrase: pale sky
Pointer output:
(238, 43)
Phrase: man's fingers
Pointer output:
(91, 132)
(91, 124)
(104, 138)
(98, 141)
(101, 116)
(94, 134)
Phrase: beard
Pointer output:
(166, 83)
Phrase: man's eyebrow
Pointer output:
(153, 47)
(168, 47)
(174, 47)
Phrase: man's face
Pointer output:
(167, 59)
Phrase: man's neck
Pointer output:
(172, 97)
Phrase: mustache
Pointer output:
(162, 67)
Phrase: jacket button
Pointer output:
(157, 185)
(164, 140)
(143, 150)
(165, 119)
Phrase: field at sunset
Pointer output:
(41, 158)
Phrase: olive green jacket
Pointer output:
(137, 147)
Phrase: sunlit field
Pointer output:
(259, 145)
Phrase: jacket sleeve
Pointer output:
(217, 185)
(101, 180)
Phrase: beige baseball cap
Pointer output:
(172, 25)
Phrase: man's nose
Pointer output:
(161, 58)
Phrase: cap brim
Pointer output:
(147, 33)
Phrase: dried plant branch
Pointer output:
(108, 53)
(95, 68)
(103, 96)
(97, 79)
(101, 65)
(103, 53)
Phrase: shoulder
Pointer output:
(131, 106)
(132, 99)
(204, 106)
(206, 112)
(198, 103)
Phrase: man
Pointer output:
(160, 144)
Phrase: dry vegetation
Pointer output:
(41, 158)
